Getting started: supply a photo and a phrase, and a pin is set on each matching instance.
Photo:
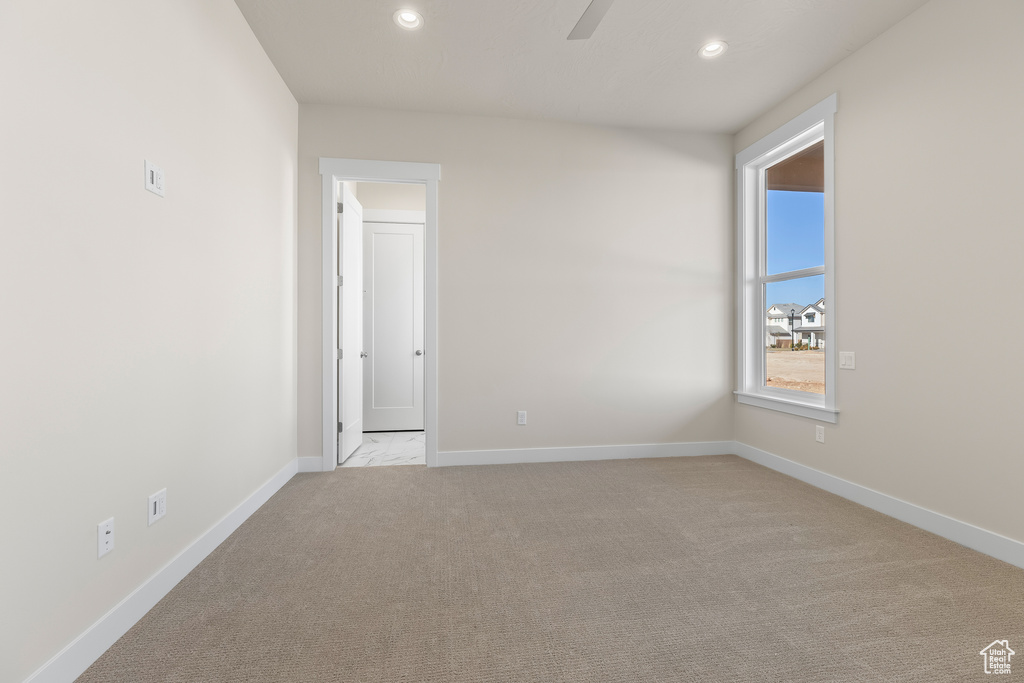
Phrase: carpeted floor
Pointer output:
(683, 569)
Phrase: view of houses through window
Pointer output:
(795, 311)
(795, 346)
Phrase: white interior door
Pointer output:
(393, 326)
(350, 325)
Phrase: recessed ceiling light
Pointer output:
(408, 19)
(713, 49)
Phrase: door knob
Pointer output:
(418, 352)
(363, 354)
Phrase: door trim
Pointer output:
(333, 172)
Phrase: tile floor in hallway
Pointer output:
(389, 448)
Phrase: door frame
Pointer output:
(333, 172)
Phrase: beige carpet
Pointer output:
(684, 569)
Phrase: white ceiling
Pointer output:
(511, 57)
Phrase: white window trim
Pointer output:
(814, 124)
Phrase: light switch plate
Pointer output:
(157, 505)
(154, 178)
(847, 360)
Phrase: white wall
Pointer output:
(145, 342)
(572, 259)
(928, 148)
(394, 196)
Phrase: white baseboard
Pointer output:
(523, 455)
(976, 538)
(311, 464)
(69, 663)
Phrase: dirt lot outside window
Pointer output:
(798, 370)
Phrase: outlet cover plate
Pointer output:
(104, 537)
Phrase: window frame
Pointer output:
(806, 129)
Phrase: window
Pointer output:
(786, 258)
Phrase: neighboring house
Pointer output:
(810, 329)
(778, 331)
(788, 324)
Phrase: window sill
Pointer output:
(814, 411)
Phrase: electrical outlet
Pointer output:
(157, 505)
(104, 537)
(522, 417)
(819, 434)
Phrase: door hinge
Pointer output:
(341, 354)
(341, 208)
(340, 279)
(341, 427)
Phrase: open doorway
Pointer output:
(396, 184)
(393, 219)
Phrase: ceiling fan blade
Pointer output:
(593, 15)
